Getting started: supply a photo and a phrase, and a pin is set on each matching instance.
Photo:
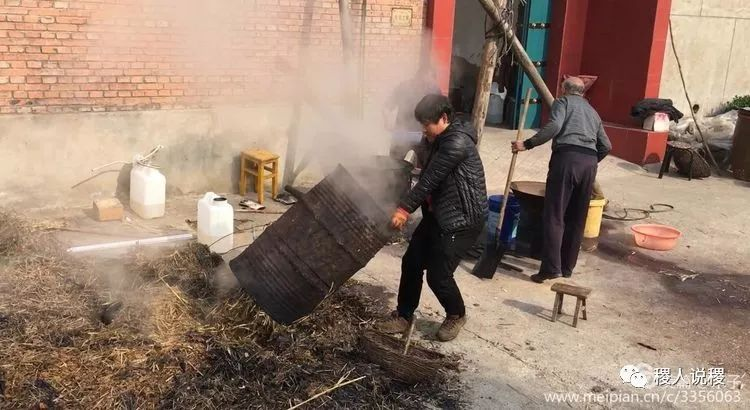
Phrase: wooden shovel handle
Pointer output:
(519, 136)
(409, 333)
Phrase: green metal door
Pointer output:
(533, 32)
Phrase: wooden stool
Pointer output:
(257, 162)
(579, 292)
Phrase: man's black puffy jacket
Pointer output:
(454, 179)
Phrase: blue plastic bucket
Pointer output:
(510, 221)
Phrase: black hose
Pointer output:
(646, 213)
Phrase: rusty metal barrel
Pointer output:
(316, 246)
(741, 146)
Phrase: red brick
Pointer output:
(78, 72)
(37, 87)
(71, 20)
(30, 26)
(64, 87)
(123, 87)
(62, 27)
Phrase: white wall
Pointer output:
(712, 38)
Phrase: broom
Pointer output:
(495, 249)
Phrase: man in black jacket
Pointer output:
(578, 144)
(453, 197)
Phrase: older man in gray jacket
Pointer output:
(578, 144)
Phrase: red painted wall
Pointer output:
(440, 19)
(624, 46)
(566, 41)
(621, 43)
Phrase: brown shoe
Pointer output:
(394, 324)
(450, 328)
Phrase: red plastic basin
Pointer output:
(655, 237)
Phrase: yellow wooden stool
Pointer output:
(256, 162)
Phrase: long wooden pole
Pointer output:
(523, 58)
(484, 84)
(519, 136)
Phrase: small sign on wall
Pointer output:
(401, 17)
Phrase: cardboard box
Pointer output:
(109, 209)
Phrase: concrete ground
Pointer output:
(684, 309)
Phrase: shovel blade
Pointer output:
(489, 262)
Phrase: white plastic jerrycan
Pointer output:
(216, 223)
(148, 191)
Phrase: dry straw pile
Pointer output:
(157, 332)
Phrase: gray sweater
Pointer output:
(573, 124)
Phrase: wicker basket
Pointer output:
(418, 365)
(701, 169)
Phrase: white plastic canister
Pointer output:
(204, 207)
(216, 223)
(148, 191)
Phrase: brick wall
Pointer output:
(111, 55)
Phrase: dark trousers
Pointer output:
(566, 204)
(439, 254)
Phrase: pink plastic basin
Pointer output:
(655, 237)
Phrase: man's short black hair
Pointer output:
(432, 107)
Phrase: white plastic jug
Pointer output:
(204, 207)
(216, 223)
(148, 191)
(496, 105)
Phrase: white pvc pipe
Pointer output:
(136, 242)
